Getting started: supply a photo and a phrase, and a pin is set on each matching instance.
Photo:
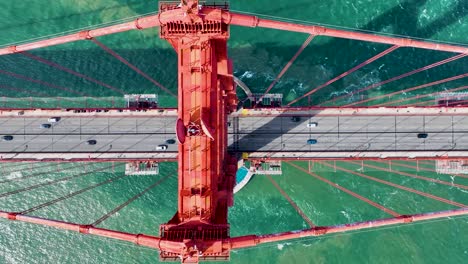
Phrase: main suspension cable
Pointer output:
(123, 205)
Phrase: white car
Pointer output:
(161, 147)
(312, 124)
(53, 119)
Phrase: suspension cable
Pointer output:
(445, 99)
(291, 202)
(409, 166)
(344, 74)
(52, 182)
(434, 197)
(372, 203)
(285, 19)
(414, 176)
(286, 67)
(21, 168)
(70, 195)
(20, 76)
(427, 67)
(76, 30)
(417, 97)
(133, 67)
(461, 76)
(65, 69)
(123, 205)
(36, 174)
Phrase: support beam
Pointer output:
(254, 240)
(253, 21)
(139, 23)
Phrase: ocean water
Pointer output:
(258, 56)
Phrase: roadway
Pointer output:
(272, 135)
(350, 133)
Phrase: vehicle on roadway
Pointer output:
(46, 126)
(170, 141)
(296, 118)
(91, 142)
(161, 147)
(7, 138)
(311, 141)
(312, 124)
(422, 135)
(53, 119)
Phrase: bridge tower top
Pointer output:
(206, 173)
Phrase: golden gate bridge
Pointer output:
(207, 101)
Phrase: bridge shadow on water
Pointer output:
(266, 59)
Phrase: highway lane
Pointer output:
(350, 133)
(246, 134)
(92, 125)
(77, 143)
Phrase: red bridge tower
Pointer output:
(206, 95)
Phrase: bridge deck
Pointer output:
(340, 133)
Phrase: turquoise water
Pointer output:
(258, 56)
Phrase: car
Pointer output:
(296, 118)
(46, 126)
(311, 141)
(170, 141)
(91, 142)
(422, 135)
(161, 147)
(312, 124)
(53, 119)
(7, 138)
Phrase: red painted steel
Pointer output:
(358, 158)
(291, 202)
(51, 85)
(372, 203)
(433, 102)
(139, 239)
(380, 55)
(428, 195)
(232, 243)
(205, 97)
(200, 230)
(65, 69)
(253, 21)
(139, 23)
(287, 66)
(254, 240)
(133, 67)
(257, 112)
(415, 176)
(417, 97)
(456, 57)
(232, 18)
(461, 76)
(413, 167)
(59, 160)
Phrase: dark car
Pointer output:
(91, 142)
(422, 135)
(7, 138)
(296, 118)
(170, 141)
(46, 126)
(311, 141)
